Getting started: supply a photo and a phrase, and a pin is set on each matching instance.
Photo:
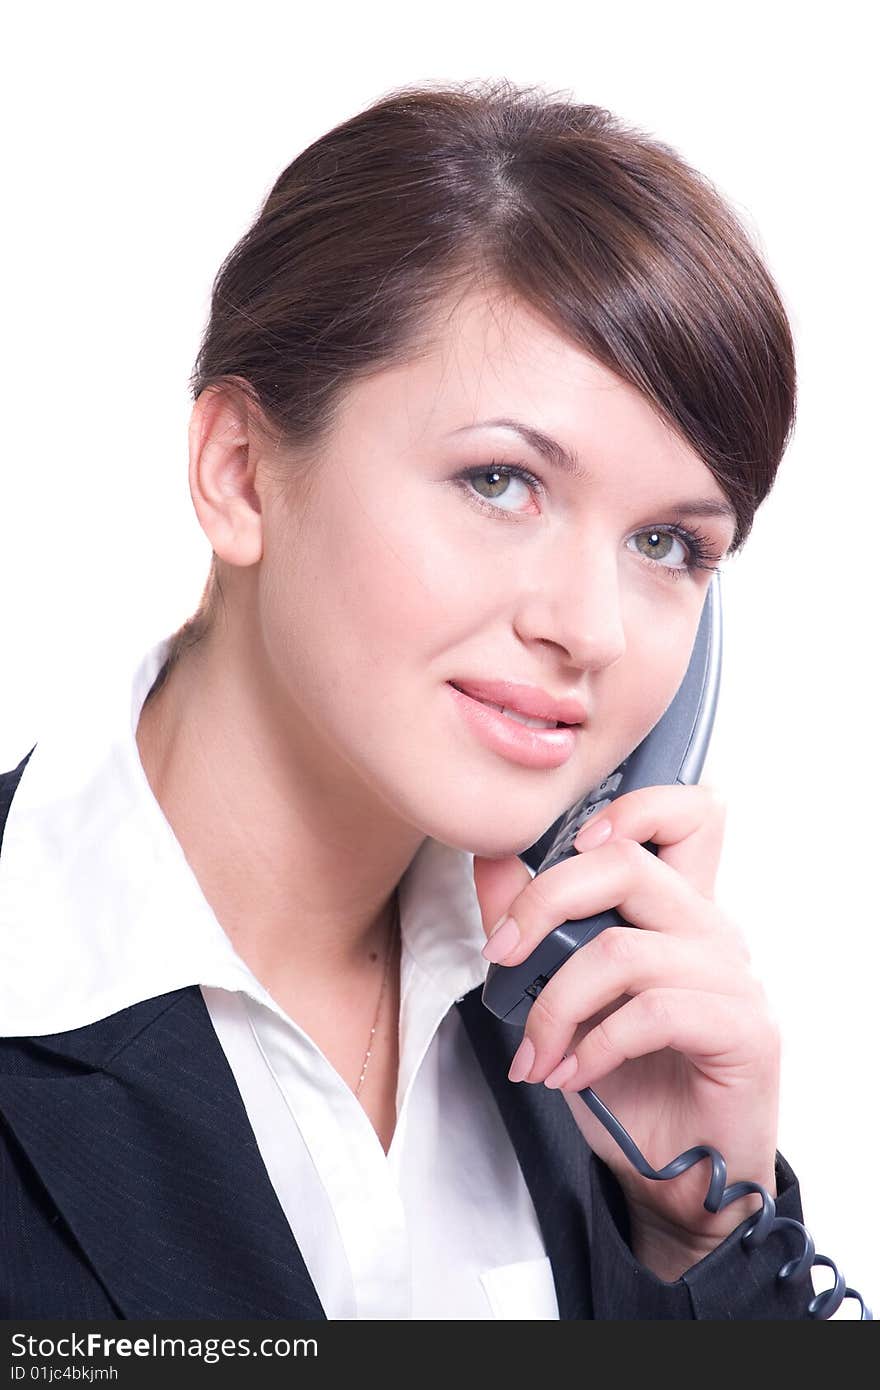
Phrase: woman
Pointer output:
(487, 393)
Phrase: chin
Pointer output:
(489, 842)
(477, 813)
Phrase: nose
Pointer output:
(571, 600)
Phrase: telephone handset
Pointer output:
(673, 752)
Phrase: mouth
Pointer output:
(523, 739)
(530, 721)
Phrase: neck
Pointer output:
(297, 858)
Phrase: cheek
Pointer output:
(370, 595)
(404, 580)
(663, 664)
(648, 684)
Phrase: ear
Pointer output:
(222, 468)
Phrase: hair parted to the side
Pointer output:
(622, 246)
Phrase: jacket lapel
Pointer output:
(173, 1208)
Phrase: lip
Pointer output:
(525, 699)
(533, 748)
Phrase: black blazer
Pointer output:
(132, 1186)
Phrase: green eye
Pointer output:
(486, 486)
(659, 544)
(699, 554)
(493, 478)
(491, 484)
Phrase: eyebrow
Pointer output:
(563, 459)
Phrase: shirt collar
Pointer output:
(99, 908)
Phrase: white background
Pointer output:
(140, 143)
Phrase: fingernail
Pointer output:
(595, 833)
(502, 940)
(566, 1069)
(523, 1061)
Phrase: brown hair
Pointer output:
(628, 251)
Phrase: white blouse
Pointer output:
(100, 910)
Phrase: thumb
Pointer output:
(498, 882)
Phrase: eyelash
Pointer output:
(702, 551)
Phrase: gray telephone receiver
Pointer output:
(674, 751)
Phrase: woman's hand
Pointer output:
(663, 1018)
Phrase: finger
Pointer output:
(724, 1037)
(498, 882)
(622, 962)
(687, 823)
(646, 891)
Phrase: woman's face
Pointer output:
(396, 574)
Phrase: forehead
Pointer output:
(487, 357)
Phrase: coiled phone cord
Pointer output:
(823, 1304)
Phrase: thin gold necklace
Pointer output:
(395, 920)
